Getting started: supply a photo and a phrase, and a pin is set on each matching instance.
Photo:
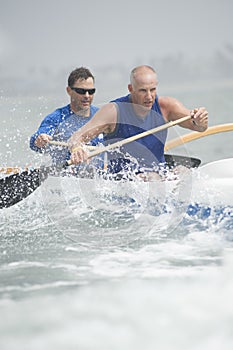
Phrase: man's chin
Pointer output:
(148, 105)
(85, 107)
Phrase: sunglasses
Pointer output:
(82, 91)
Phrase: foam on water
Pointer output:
(126, 313)
(103, 282)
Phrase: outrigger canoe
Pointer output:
(210, 184)
(16, 187)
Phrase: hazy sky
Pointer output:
(58, 34)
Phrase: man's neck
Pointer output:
(140, 111)
(81, 112)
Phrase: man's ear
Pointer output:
(68, 90)
(130, 87)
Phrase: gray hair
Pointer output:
(134, 71)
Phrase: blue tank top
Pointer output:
(144, 153)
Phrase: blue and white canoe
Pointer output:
(209, 185)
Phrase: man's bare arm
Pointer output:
(172, 109)
(104, 121)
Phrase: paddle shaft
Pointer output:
(65, 144)
(138, 136)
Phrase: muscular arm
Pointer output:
(104, 121)
(172, 109)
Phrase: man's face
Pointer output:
(83, 99)
(143, 89)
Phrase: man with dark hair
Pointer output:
(63, 122)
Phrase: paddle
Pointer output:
(188, 162)
(138, 136)
(16, 187)
(196, 135)
(65, 144)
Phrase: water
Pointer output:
(120, 276)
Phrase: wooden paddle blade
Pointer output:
(188, 162)
(16, 187)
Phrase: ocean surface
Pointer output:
(78, 271)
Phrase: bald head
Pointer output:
(142, 87)
(142, 71)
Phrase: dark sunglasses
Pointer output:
(82, 91)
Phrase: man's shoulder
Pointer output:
(94, 109)
(64, 110)
(167, 105)
(61, 110)
(58, 114)
(166, 100)
(122, 99)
